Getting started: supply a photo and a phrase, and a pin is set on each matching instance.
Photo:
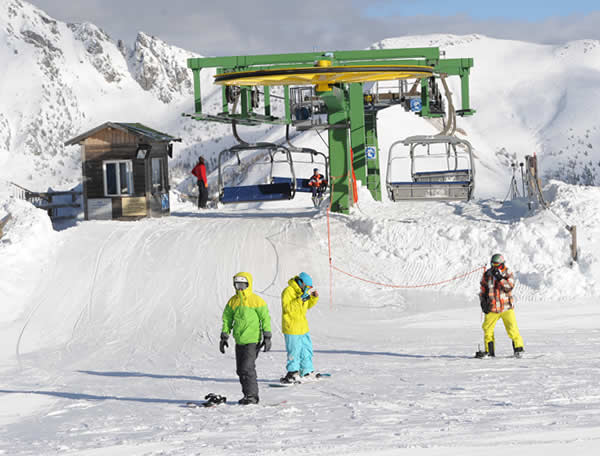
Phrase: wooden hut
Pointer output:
(125, 171)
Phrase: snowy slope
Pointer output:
(121, 328)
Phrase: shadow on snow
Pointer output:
(399, 355)
(248, 213)
(94, 397)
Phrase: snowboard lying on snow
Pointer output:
(213, 400)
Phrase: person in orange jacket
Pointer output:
(200, 172)
(318, 184)
(497, 303)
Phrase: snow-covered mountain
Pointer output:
(61, 79)
(530, 98)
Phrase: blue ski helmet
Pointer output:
(306, 279)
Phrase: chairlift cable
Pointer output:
(451, 123)
(236, 135)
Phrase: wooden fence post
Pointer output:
(573, 230)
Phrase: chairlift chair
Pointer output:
(271, 191)
(302, 183)
(455, 182)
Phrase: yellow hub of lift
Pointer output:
(323, 75)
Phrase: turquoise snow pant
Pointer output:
(299, 353)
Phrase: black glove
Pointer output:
(483, 302)
(498, 275)
(223, 343)
(266, 341)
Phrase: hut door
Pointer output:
(158, 175)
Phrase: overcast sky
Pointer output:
(231, 27)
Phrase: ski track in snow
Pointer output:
(107, 364)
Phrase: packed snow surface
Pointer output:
(120, 323)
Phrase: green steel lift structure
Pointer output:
(338, 78)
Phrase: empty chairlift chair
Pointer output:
(441, 168)
(244, 159)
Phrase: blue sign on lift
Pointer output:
(415, 105)
(164, 202)
(371, 153)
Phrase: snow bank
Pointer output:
(414, 244)
(28, 244)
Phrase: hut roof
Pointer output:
(135, 128)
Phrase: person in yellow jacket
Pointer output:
(296, 299)
(248, 316)
(497, 303)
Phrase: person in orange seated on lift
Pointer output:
(318, 184)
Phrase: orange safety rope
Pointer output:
(332, 267)
(331, 179)
(408, 286)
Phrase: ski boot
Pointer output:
(518, 351)
(248, 400)
(486, 354)
(290, 378)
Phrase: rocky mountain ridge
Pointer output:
(62, 79)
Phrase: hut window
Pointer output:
(118, 177)
(157, 174)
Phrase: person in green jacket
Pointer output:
(296, 299)
(248, 315)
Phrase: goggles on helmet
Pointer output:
(303, 286)
(497, 259)
(240, 283)
(498, 265)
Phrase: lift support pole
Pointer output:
(340, 167)
(357, 131)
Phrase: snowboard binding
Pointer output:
(214, 399)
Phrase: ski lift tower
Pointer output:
(337, 79)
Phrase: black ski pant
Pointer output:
(202, 195)
(245, 361)
(317, 191)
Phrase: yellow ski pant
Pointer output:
(510, 324)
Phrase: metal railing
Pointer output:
(47, 200)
